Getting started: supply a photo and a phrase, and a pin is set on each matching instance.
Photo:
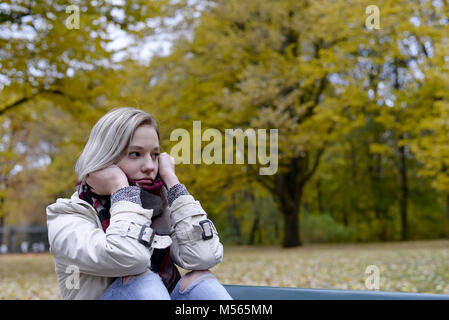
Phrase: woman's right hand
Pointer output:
(108, 180)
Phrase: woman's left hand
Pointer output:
(167, 170)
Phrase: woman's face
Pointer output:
(140, 159)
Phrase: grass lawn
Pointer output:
(416, 266)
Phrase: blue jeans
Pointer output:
(149, 286)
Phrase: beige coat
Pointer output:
(87, 259)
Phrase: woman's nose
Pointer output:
(149, 164)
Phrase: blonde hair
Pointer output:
(110, 137)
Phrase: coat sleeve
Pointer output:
(190, 249)
(75, 239)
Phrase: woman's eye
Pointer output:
(153, 156)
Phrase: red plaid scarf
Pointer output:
(102, 204)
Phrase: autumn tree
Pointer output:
(307, 69)
(59, 65)
(268, 64)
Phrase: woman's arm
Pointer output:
(196, 245)
(75, 238)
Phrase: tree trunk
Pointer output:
(292, 236)
(320, 196)
(446, 209)
(290, 203)
(276, 231)
(254, 230)
(234, 222)
(404, 194)
(2, 223)
(383, 232)
(345, 218)
(287, 188)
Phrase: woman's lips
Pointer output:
(144, 182)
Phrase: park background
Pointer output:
(362, 112)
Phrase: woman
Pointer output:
(130, 221)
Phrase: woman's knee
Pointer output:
(127, 278)
(146, 286)
(191, 276)
(200, 285)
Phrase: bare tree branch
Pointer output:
(31, 97)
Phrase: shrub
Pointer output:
(323, 228)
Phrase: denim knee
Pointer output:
(148, 286)
(206, 287)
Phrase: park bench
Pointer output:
(240, 292)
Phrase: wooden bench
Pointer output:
(239, 292)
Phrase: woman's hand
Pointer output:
(108, 180)
(167, 170)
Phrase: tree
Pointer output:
(275, 65)
(48, 66)
(268, 64)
